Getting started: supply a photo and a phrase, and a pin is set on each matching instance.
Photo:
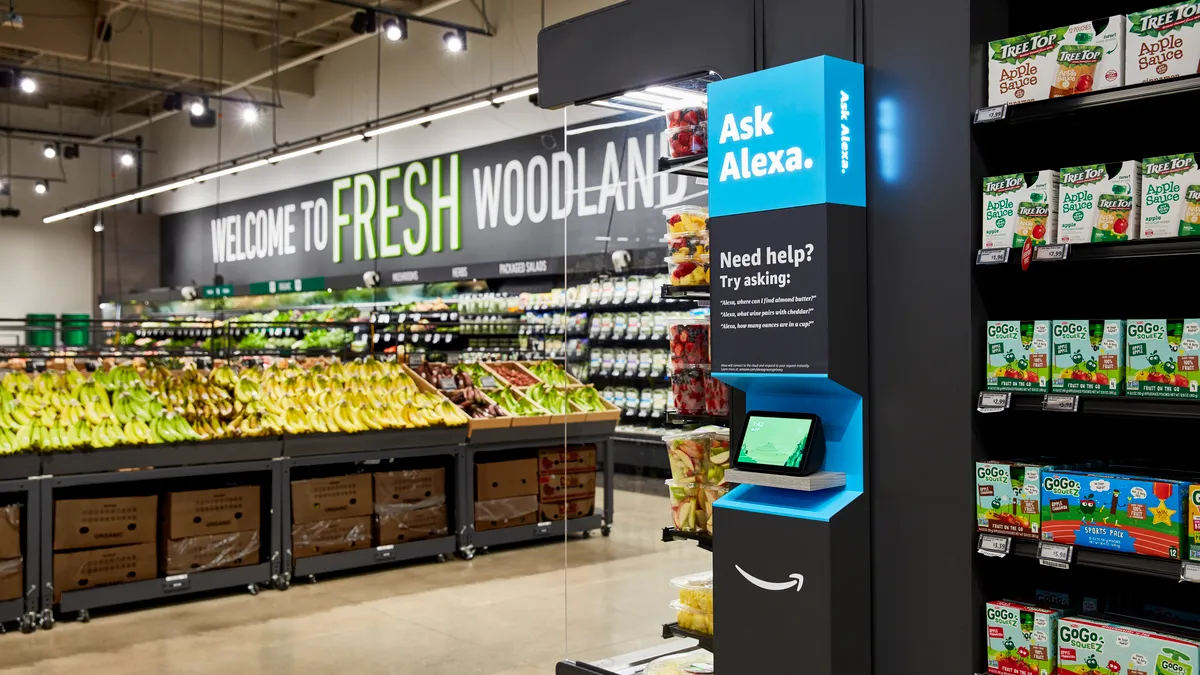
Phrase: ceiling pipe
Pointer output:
(286, 65)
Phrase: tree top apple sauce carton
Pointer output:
(1095, 647)
(1018, 356)
(1063, 61)
(1019, 206)
(1021, 638)
(1163, 43)
(1118, 512)
(1099, 202)
(1162, 358)
(1089, 356)
(1170, 197)
(1008, 499)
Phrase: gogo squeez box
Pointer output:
(1163, 43)
(1020, 638)
(1058, 62)
(1008, 499)
(1018, 356)
(1099, 202)
(1089, 357)
(1162, 358)
(1020, 206)
(1170, 197)
(1092, 647)
(1121, 513)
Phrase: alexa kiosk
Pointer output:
(789, 329)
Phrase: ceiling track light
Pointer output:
(41, 187)
(363, 23)
(50, 151)
(27, 84)
(396, 29)
(126, 159)
(250, 114)
(455, 40)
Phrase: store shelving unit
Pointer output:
(702, 539)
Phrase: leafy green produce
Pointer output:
(252, 341)
(340, 314)
(322, 338)
(512, 402)
(550, 373)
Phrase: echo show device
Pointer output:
(790, 444)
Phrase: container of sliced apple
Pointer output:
(687, 452)
(687, 514)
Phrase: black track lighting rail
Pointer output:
(412, 17)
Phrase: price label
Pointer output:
(1190, 572)
(993, 401)
(1060, 403)
(992, 256)
(414, 359)
(385, 552)
(994, 545)
(176, 583)
(447, 384)
(992, 114)
(542, 529)
(1051, 252)
(1051, 554)
(487, 382)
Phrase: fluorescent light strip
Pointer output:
(163, 188)
(315, 148)
(612, 125)
(514, 95)
(428, 118)
(622, 106)
(232, 170)
(650, 98)
(683, 95)
(99, 206)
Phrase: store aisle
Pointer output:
(501, 613)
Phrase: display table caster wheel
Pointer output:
(84, 616)
(441, 557)
(312, 578)
(587, 534)
(283, 582)
(606, 530)
(29, 622)
(47, 620)
(253, 588)
(466, 553)
(483, 550)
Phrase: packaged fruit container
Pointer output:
(688, 452)
(712, 493)
(696, 662)
(689, 341)
(686, 218)
(687, 117)
(686, 512)
(718, 455)
(688, 141)
(692, 271)
(696, 591)
(693, 620)
(1018, 356)
(1162, 358)
(682, 246)
(687, 389)
(716, 397)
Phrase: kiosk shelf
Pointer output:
(702, 539)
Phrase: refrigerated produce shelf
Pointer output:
(702, 539)
(1116, 562)
(1178, 90)
(672, 630)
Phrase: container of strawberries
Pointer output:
(690, 116)
(687, 388)
(688, 141)
(689, 342)
(716, 397)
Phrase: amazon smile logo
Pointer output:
(796, 580)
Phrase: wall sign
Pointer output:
(787, 136)
(517, 202)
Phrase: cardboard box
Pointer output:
(411, 485)
(1162, 43)
(200, 512)
(210, 552)
(10, 532)
(12, 579)
(572, 508)
(564, 486)
(91, 523)
(1162, 358)
(1089, 645)
(1020, 206)
(1008, 499)
(103, 566)
(1018, 356)
(321, 499)
(1021, 638)
(330, 536)
(500, 480)
(1099, 202)
(1089, 357)
(567, 460)
(509, 512)
(401, 523)
(1124, 513)
(1074, 59)
(1170, 199)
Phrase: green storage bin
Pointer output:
(39, 329)
(76, 330)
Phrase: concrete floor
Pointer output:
(515, 611)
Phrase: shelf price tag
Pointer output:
(993, 114)
(1060, 403)
(994, 545)
(176, 583)
(1190, 572)
(993, 401)
(447, 384)
(487, 382)
(1051, 554)
(1051, 252)
(385, 552)
(992, 256)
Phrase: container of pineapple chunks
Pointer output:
(692, 619)
(696, 591)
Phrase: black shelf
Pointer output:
(680, 419)
(1128, 406)
(1069, 105)
(1129, 250)
(669, 163)
(539, 531)
(374, 556)
(1116, 562)
(672, 630)
(703, 539)
(686, 292)
(157, 589)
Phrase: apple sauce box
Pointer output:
(1008, 499)
(1099, 202)
(1162, 358)
(1020, 637)
(1089, 356)
(1018, 206)
(1090, 646)
(1162, 43)
(1057, 62)
(1114, 512)
(1018, 356)
(1170, 197)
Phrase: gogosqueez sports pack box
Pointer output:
(1194, 523)
(1018, 356)
(1008, 499)
(1099, 202)
(1122, 513)
(1062, 61)
(1020, 206)
(1020, 638)
(1092, 647)
(1162, 358)
(1089, 356)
